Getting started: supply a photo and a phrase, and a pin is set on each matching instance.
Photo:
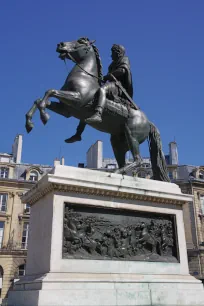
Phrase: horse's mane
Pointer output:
(99, 64)
(85, 40)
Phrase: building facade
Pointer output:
(191, 181)
(15, 179)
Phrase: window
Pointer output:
(27, 208)
(141, 174)
(202, 204)
(3, 201)
(1, 232)
(111, 166)
(4, 172)
(24, 244)
(33, 176)
(201, 175)
(21, 270)
(1, 278)
(145, 165)
(171, 175)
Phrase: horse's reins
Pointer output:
(90, 74)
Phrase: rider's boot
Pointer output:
(99, 108)
(79, 131)
(96, 117)
(74, 138)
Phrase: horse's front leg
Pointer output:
(68, 97)
(44, 116)
(29, 124)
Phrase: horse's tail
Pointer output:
(156, 154)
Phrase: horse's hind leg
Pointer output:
(133, 144)
(120, 148)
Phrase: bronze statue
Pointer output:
(120, 69)
(127, 125)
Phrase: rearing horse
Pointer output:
(128, 128)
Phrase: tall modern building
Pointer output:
(15, 179)
(94, 156)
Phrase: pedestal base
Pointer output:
(64, 289)
(90, 231)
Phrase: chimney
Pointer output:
(62, 161)
(17, 148)
(173, 153)
(56, 162)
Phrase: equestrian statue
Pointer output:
(103, 102)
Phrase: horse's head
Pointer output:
(76, 50)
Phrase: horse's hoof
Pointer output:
(45, 117)
(120, 171)
(29, 127)
(37, 101)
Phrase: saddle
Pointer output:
(116, 106)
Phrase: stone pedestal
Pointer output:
(77, 256)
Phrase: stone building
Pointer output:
(15, 179)
(191, 181)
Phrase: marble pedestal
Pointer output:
(52, 280)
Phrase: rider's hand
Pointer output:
(107, 77)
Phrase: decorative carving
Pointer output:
(32, 196)
(20, 218)
(103, 233)
(20, 194)
(11, 195)
(8, 218)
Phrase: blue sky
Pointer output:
(164, 41)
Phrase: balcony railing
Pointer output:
(27, 210)
(14, 248)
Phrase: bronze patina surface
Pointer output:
(115, 234)
(105, 103)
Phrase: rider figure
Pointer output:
(120, 69)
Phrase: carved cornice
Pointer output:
(33, 196)
(11, 194)
(5, 217)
